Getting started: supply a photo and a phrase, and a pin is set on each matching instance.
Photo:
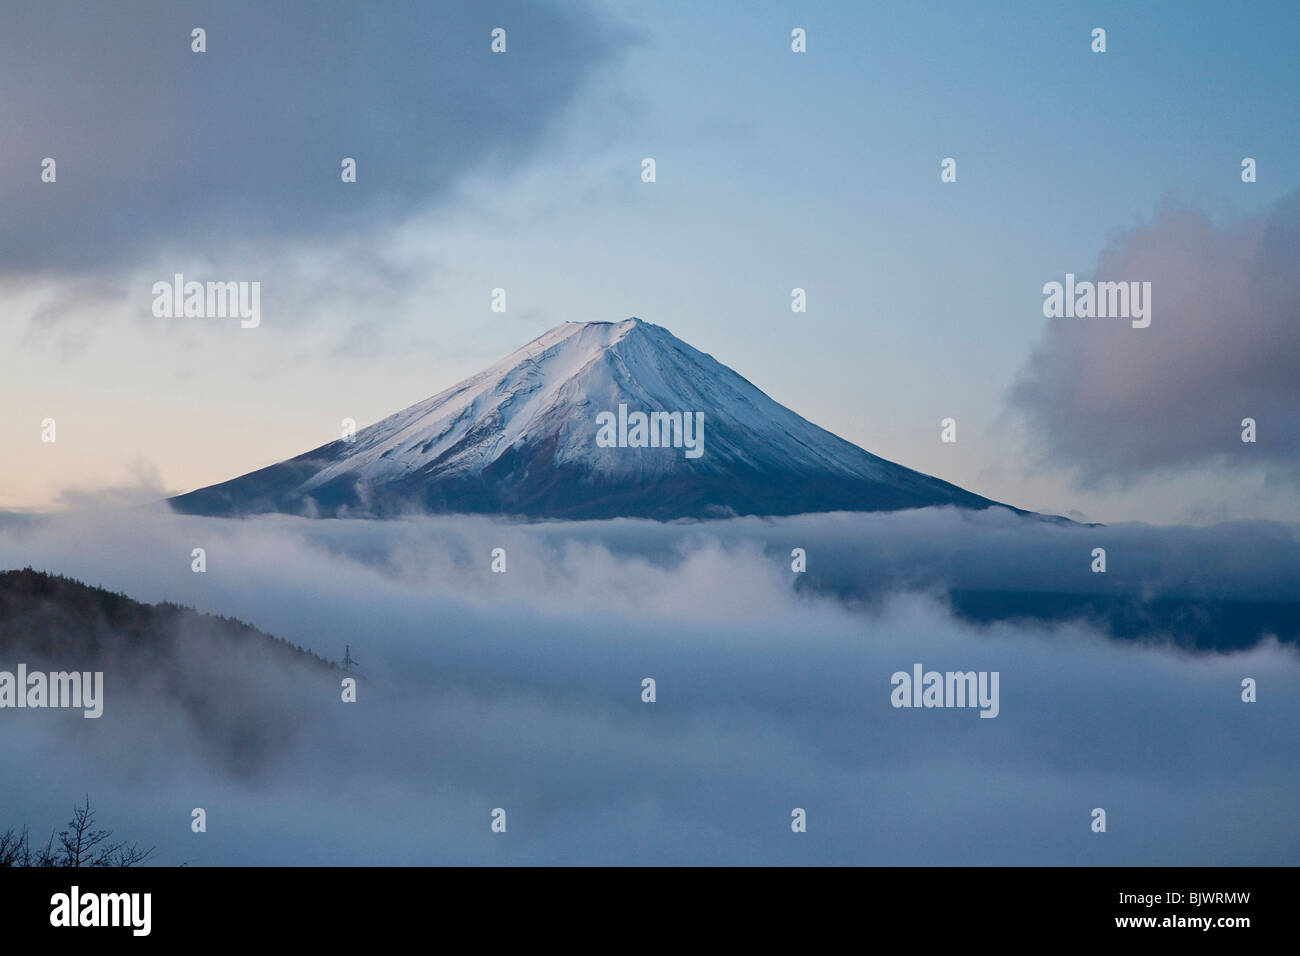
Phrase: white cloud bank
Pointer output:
(522, 690)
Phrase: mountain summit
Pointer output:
(590, 420)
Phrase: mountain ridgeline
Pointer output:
(51, 618)
(558, 429)
(243, 695)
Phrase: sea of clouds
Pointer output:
(522, 691)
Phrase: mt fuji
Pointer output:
(520, 439)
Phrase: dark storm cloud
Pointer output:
(159, 147)
(1114, 402)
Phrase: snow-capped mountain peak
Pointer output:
(569, 425)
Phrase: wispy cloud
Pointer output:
(1113, 403)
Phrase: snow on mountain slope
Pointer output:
(520, 438)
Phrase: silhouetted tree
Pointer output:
(81, 844)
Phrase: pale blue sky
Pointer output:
(775, 170)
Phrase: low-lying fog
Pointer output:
(523, 690)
